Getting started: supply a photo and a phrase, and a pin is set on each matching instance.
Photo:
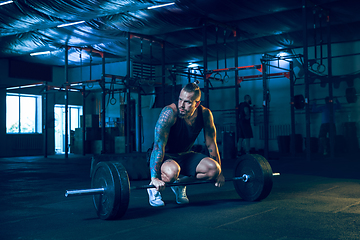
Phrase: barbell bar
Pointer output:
(110, 185)
(94, 191)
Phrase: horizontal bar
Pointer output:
(132, 35)
(190, 183)
(92, 191)
(234, 69)
(89, 50)
(285, 74)
(171, 184)
(114, 76)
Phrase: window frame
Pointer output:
(38, 113)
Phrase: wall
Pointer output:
(14, 144)
(279, 107)
(23, 144)
(220, 99)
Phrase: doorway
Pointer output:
(74, 113)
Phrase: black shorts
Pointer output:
(325, 129)
(245, 130)
(187, 161)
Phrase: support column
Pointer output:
(84, 112)
(140, 123)
(163, 72)
(237, 102)
(103, 104)
(66, 102)
(206, 81)
(128, 97)
(83, 120)
(265, 110)
(307, 82)
(45, 120)
(292, 109)
(330, 80)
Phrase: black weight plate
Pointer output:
(299, 101)
(260, 174)
(113, 203)
(104, 177)
(124, 183)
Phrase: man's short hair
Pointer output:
(192, 87)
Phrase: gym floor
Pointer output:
(309, 200)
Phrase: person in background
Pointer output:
(175, 133)
(325, 122)
(245, 130)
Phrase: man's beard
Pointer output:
(181, 115)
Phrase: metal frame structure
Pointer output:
(102, 82)
(269, 58)
(266, 64)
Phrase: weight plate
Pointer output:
(299, 101)
(260, 182)
(124, 189)
(113, 178)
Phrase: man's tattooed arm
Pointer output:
(210, 135)
(166, 120)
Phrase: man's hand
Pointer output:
(159, 184)
(220, 180)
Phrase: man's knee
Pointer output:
(170, 171)
(208, 168)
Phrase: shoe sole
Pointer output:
(182, 203)
(154, 205)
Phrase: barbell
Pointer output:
(110, 185)
(350, 95)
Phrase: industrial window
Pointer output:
(23, 113)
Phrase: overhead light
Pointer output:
(161, 5)
(193, 65)
(73, 90)
(6, 2)
(69, 24)
(282, 54)
(64, 89)
(25, 86)
(40, 53)
(76, 84)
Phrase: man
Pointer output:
(175, 132)
(326, 123)
(245, 130)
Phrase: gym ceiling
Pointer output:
(262, 26)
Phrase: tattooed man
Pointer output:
(175, 132)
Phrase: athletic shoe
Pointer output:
(155, 199)
(180, 193)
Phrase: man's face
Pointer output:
(186, 104)
(248, 100)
